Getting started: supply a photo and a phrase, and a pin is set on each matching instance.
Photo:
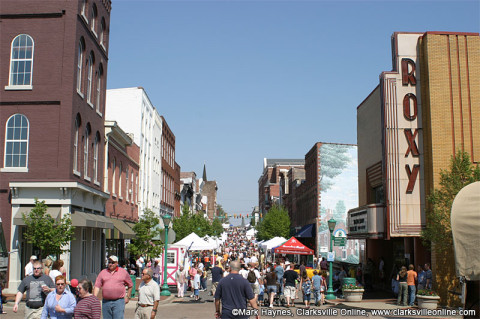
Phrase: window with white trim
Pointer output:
(75, 144)
(85, 151)
(102, 33)
(90, 78)
(21, 61)
(99, 87)
(84, 9)
(16, 141)
(95, 157)
(81, 49)
(113, 177)
(120, 180)
(126, 183)
(93, 16)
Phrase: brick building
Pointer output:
(167, 202)
(422, 112)
(53, 75)
(121, 182)
(269, 182)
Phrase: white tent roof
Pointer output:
(465, 219)
(274, 242)
(193, 242)
(251, 232)
(225, 226)
(211, 240)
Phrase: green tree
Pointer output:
(193, 223)
(438, 228)
(275, 223)
(147, 232)
(45, 233)
(217, 227)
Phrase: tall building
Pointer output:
(121, 183)
(54, 66)
(269, 181)
(408, 128)
(169, 176)
(134, 112)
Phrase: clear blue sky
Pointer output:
(238, 81)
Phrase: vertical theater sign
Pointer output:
(402, 134)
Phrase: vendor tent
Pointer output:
(193, 242)
(293, 246)
(275, 241)
(465, 219)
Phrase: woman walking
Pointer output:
(60, 303)
(89, 306)
(403, 288)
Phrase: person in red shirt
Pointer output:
(112, 281)
(411, 279)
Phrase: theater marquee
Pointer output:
(403, 136)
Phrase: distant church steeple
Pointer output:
(204, 173)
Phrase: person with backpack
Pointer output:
(307, 289)
(316, 285)
(253, 277)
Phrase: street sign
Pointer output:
(331, 256)
(339, 241)
(340, 233)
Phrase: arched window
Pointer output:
(85, 151)
(21, 61)
(78, 122)
(99, 87)
(16, 141)
(90, 62)
(84, 9)
(114, 176)
(95, 157)
(93, 20)
(81, 49)
(102, 32)
(120, 180)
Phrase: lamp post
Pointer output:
(330, 294)
(167, 219)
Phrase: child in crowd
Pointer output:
(196, 284)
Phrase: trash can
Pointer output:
(134, 291)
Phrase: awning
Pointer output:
(18, 220)
(306, 231)
(121, 230)
(81, 219)
(293, 246)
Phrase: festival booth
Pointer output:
(293, 247)
(269, 244)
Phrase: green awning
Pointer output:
(18, 220)
(81, 219)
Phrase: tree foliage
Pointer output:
(147, 231)
(438, 227)
(45, 233)
(195, 223)
(340, 212)
(275, 223)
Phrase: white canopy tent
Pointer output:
(274, 242)
(194, 242)
(250, 233)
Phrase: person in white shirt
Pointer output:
(29, 266)
(243, 272)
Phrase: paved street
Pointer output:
(186, 308)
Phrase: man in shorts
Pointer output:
(290, 277)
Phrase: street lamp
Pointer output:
(331, 227)
(167, 219)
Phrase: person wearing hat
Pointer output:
(29, 266)
(148, 296)
(112, 281)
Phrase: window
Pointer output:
(120, 181)
(95, 158)
(85, 151)
(99, 87)
(90, 79)
(93, 16)
(16, 141)
(84, 9)
(21, 62)
(102, 33)
(81, 49)
(126, 183)
(75, 145)
(113, 177)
